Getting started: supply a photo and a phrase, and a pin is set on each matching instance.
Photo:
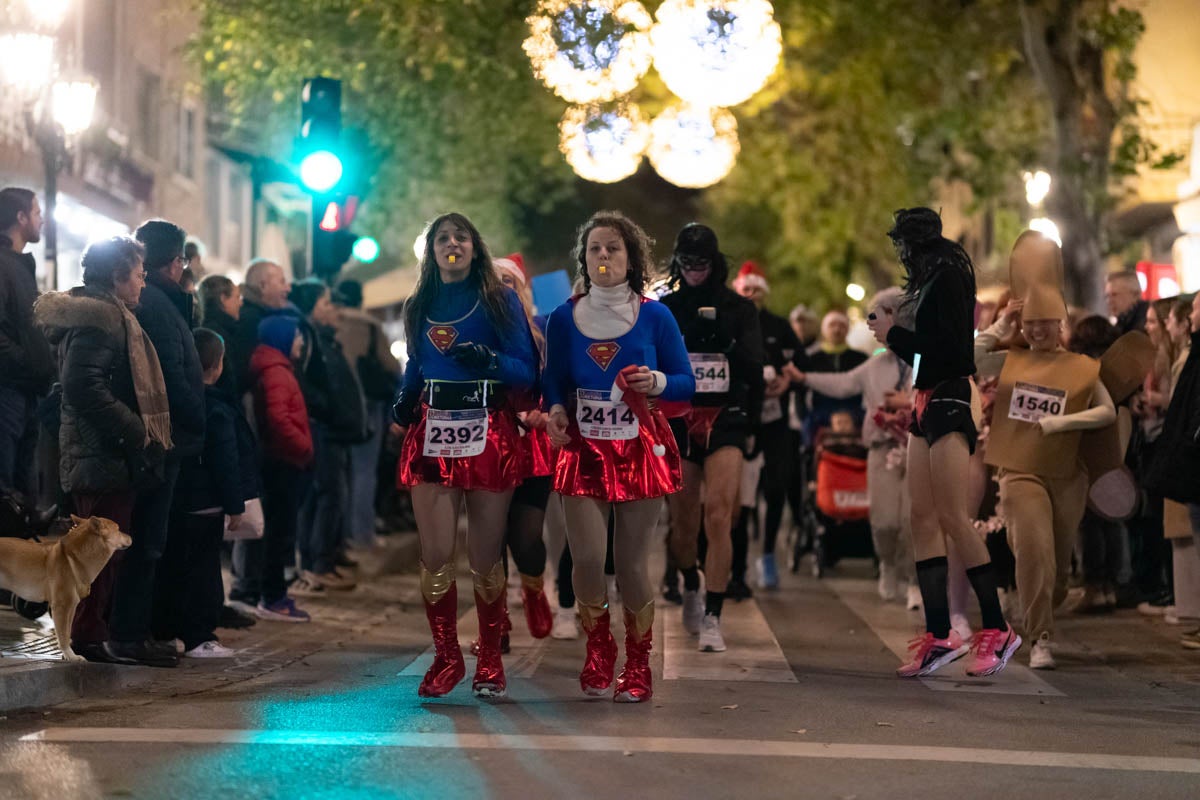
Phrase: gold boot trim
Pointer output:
(434, 585)
(534, 583)
(643, 618)
(590, 612)
(490, 586)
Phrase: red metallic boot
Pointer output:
(597, 674)
(633, 684)
(441, 608)
(492, 610)
(505, 644)
(538, 616)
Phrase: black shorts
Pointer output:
(943, 410)
(731, 428)
(534, 492)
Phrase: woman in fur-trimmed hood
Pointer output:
(115, 422)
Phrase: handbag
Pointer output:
(252, 523)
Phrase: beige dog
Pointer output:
(62, 572)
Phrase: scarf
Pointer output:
(148, 384)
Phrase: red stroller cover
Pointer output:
(842, 487)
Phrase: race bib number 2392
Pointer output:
(455, 434)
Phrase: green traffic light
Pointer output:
(366, 249)
(321, 170)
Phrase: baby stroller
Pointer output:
(19, 518)
(836, 506)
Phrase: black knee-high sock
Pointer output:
(983, 581)
(713, 603)
(691, 578)
(933, 578)
(740, 537)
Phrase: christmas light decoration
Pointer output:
(716, 52)
(589, 51)
(604, 143)
(692, 146)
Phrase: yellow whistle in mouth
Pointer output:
(453, 259)
(603, 269)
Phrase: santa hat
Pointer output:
(514, 264)
(751, 275)
(639, 406)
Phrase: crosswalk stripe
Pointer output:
(753, 655)
(894, 628)
(769, 748)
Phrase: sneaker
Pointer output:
(210, 649)
(930, 654)
(887, 582)
(912, 598)
(993, 648)
(1040, 656)
(566, 626)
(236, 618)
(332, 580)
(144, 653)
(1171, 616)
(248, 608)
(1150, 610)
(1092, 601)
(711, 640)
(961, 626)
(768, 575)
(283, 610)
(693, 611)
(1191, 640)
(306, 585)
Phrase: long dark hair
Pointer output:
(482, 275)
(637, 247)
(701, 240)
(924, 252)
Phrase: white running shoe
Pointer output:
(565, 624)
(211, 649)
(962, 626)
(693, 611)
(887, 582)
(912, 600)
(711, 640)
(1040, 656)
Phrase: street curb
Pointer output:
(39, 684)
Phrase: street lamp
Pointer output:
(57, 107)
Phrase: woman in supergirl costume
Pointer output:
(470, 356)
(940, 290)
(612, 356)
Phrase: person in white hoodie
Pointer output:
(885, 383)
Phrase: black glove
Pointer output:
(404, 410)
(474, 356)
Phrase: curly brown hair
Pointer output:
(638, 246)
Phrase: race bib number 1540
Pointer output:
(1031, 402)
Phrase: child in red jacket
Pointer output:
(287, 454)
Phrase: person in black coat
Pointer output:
(1176, 465)
(265, 292)
(166, 314)
(220, 310)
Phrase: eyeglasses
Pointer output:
(693, 263)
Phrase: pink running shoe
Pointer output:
(931, 654)
(993, 648)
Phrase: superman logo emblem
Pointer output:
(603, 353)
(442, 336)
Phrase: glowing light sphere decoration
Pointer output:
(692, 146)
(589, 51)
(604, 144)
(716, 52)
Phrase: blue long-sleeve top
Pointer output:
(458, 316)
(574, 361)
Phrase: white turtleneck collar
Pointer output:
(606, 313)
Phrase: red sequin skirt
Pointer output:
(502, 465)
(623, 470)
